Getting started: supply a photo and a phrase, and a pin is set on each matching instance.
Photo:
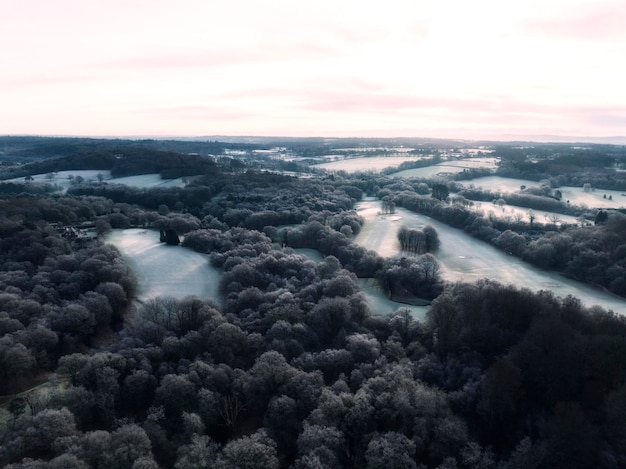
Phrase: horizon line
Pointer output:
(532, 138)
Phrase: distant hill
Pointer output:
(23, 156)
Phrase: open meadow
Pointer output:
(164, 270)
(594, 198)
(63, 180)
(452, 166)
(371, 163)
(489, 209)
(147, 181)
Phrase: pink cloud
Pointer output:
(45, 79)
(598, 23)
(306, 91)
(605, 117)
(488, 112)
(377, 102)
(223, 56)
(194, 113)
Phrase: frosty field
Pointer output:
(374, 163)
(430, 171)
(499, 183)
(576, 195)
(595, 198)
(512, 211)
(449, 167)
(63, 179)
(147, 181)
(463, 258)
(164, 270)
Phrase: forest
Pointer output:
(292, 368)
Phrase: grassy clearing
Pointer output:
(449, 167)
(500, 184)
(576, 195)
(63, 179)
(440, 169)
(374, 163)
(379, 303)
(512, 211)
(164, 270)
(595, 198)
(143, 181)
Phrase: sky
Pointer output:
(340, 68)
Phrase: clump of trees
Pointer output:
(440, 191)
(169, 236)
(418, 241)
(408, 279)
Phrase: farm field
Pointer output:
(450, 167)
(373, 163)
(487, 162)
(595, 198)
(463, 258)
(147, 181)
(499, 183)
(164, 270)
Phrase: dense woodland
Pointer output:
(293, 369)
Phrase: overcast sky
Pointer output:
(438, 68)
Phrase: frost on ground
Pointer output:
(592, 198)
(164, 270)
(64, 179)
(463, 258)
(523, 214)
(379, 303)
(148, 180)
(449, 167)
(374, 163)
